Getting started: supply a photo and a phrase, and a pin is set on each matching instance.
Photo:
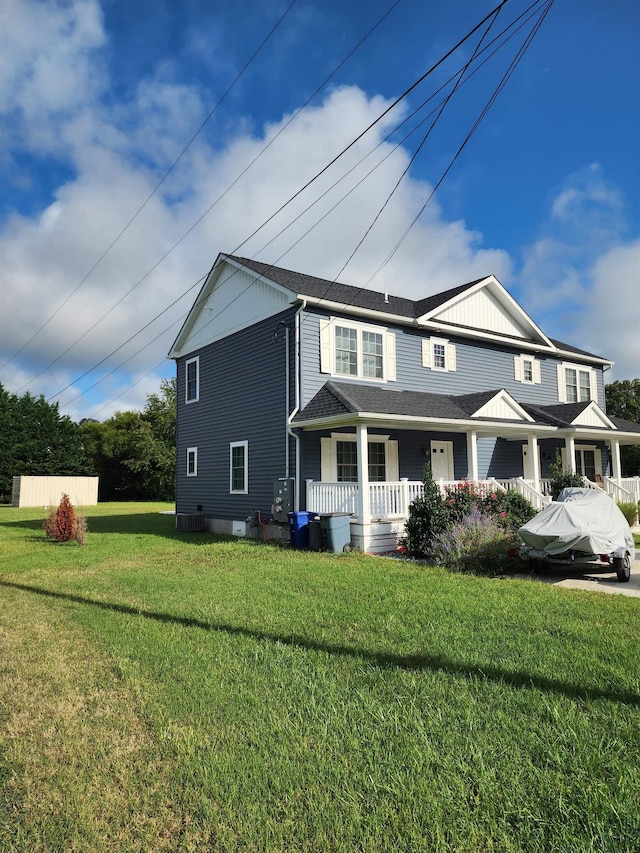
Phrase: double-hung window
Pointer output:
(239, 467)
(526, 369)
(339, 459)
(438, 354)
(192, 380)
(576, 384)
(354, 350)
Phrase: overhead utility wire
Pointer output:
(506, 29)
(515, 62)
(352, 143)
(327, 213)
(423, 142)
(158, 185)
(218, 199)
(391, 133)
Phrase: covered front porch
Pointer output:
(364, 451)
(380, 508)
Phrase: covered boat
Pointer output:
(581, 526)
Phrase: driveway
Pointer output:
(596, 581)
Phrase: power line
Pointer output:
(220, 197)
(155, 189)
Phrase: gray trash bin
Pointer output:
(336, 531)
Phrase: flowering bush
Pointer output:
(448, 528)
(475, 543)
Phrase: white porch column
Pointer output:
(616, 468)
(472, 456)
(534, 456)
(362, 440)
(570, 447)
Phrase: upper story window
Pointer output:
(576, 383)
(438, 354)
(192, 380)
(357, 350)
(239, 467)
(526, 368)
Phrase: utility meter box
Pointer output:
(282, 499)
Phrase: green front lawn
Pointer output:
(165, 692)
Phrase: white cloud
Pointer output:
(581, 279)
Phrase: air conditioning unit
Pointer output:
(186, 523)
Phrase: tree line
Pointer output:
(133, 453)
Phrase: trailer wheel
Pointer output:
(622, 565)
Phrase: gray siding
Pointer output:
(242, 398)
(480, 366)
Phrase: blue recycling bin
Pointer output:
(299, 528)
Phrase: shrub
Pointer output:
(63, 525)
(427, 517)
(461, 499)
(562, 479)
(475, 543)
(630, 511)
(510, 509)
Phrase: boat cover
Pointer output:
(580, 520)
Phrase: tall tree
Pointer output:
(134, 452)
(35, 439)
(623, 401)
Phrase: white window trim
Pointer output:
(189, 361)
(329, 455)
(245, 489)
(562, 383)
(328, 327)
(518, 369)
(193, 450)
(428, 356)
(597, 451)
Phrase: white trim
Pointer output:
(429, 358)
(446, 447)
(519, 371)
(245, 488)
(328, 327)
(562, 381)
(329, 456)
(195, 360)
(192, 451)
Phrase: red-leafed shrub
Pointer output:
(64, 525)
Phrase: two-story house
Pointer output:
(342, 394)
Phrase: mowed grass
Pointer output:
(182, 692)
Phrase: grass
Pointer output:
(182, 692)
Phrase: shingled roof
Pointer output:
(346, 294)
(344, 398)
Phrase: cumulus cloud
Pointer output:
(581, 277)
(213, 200)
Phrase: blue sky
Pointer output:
(100, 98)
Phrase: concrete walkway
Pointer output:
(595, 581)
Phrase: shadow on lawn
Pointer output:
(436, 663)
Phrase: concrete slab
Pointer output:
(594, 581)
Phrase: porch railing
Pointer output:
(391, 500)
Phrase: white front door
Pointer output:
(527, 463)
(442, 460)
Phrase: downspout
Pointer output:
(296, 409)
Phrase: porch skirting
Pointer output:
(377, 537)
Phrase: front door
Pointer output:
(527, 463)
(442, 460)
